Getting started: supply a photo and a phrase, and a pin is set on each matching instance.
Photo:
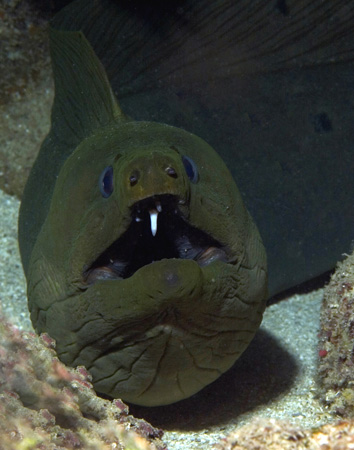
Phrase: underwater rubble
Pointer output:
(336, 339)
(46, 405)
(280, 435)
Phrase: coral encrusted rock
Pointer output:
(336, 341)
(46, 405)
(271, 434)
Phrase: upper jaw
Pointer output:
(158, 229)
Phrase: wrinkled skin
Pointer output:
(176, 324)
(151, 273)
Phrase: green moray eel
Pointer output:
(268, 84)
(141, 260)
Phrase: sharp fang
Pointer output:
(137, 219)
(158, 207)
(153, 220)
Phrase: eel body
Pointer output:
(142, 261)
(268, 84)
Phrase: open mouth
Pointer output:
(157, 231)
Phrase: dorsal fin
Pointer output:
(84, 100)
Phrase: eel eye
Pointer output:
(106, 182)
(191, 168)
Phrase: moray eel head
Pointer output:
(148, 269)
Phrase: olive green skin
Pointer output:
(174, 326)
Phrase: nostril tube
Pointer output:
(171, 172)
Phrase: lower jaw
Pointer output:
(177, 367)
(205, 258)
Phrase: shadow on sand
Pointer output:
(265, 371)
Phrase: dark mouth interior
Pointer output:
(137, 246)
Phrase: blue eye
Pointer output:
(191, 168)
(106, 182)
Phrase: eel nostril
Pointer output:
(134, 177)
(171, 172)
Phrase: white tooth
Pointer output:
(153, 221)
(137, 219)
(158, 206)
